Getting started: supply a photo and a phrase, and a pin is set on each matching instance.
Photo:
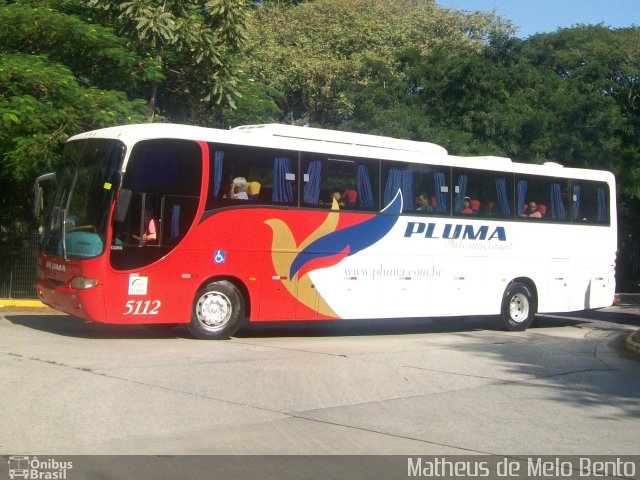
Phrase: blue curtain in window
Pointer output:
(558, 211)
(575, 210)
(175, 222)
(282, 189)
(602, 205)
(363, 186)
(503, 197)
(217, 172)
(311, 193)
(399, 179)
(458, 202)
(440, 181)
(394, 182)
(521, 196)
(407, 190)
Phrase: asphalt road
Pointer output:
(408, 387)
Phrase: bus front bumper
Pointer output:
(87, 304)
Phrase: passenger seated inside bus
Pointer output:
(338, 198)
(334, 196)
(238, 189)
(253, 190)
(424, 203)
(349, 197)
(489, 209)
(466, 206)
(532, 210)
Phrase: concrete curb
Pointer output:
(633, 342)
(627, 299)
(630, 299)
(9, 302)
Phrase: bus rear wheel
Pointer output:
(217, 312)
(518, 307)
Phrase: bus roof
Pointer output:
(339, 137)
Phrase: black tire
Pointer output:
(217, 311)
(518, 307)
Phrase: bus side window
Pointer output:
(351, 181)
(431, 185)
(485, 194)
(544, 198)
(589, 202)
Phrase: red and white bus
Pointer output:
(163, 223)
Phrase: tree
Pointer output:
(605, 65)
(55, 81)
(188, 47)
(310, 51)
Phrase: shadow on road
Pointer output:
(69, 326)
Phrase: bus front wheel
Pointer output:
(518, 307)
(218, 311)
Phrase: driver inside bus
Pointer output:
(150, 234)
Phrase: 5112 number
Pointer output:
(140, 307)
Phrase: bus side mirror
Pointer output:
(122, 207)
(38, 192)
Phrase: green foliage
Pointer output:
(515, 98)
(189, 48)
(310, 51)
(58, 77)
(94, 54)
(604, 66)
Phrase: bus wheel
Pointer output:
(518, 307)
(218, 311)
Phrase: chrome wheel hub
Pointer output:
(519, 308)
(213, 310)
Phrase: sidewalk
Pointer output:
(630, 299)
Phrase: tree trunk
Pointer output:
(152, 102)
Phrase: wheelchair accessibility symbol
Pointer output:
(219, 256)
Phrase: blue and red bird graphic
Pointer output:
(333, 247)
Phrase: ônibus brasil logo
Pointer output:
(37, 469)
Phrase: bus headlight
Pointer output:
(82, 283)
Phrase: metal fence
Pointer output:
(18, 265)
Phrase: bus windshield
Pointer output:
(86, 183)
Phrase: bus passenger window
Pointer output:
(485, 194)
(542, 197)
(351, 181)
(589, 202)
